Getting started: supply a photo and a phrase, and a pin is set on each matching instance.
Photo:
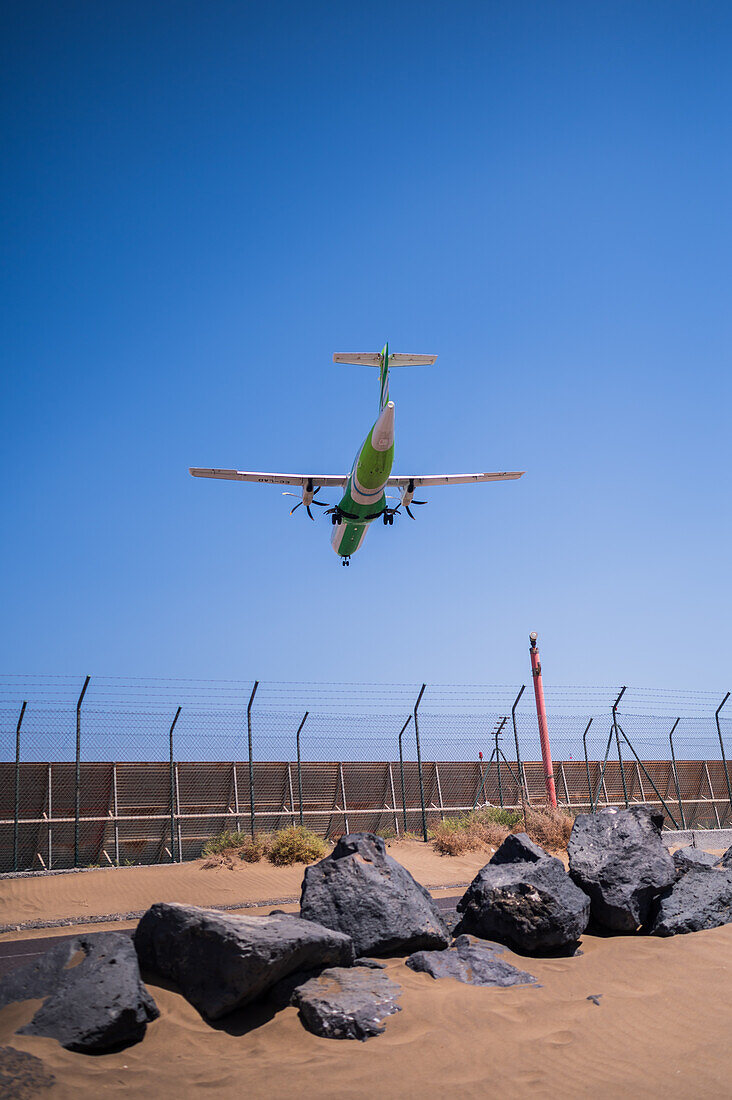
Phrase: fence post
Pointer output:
(50, 817)
(401, 770)
(499, 729)
(299, 772)
(676, 774)
(172, 791)
(115, 806)
(393, 800)
(343, 795)
(721, 746)
(17, 785)
(647, 774)
(77, 797)
(617, 742)
(546, 752)
(587, 765)
(518, 755)
(251, 765)
(419, 763)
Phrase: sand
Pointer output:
(108, 891)
(131, 889)
(662, 1027)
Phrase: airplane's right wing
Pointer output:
(404, 480)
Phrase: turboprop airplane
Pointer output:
(364, 488)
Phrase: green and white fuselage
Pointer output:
(364, 499)
(364, 488)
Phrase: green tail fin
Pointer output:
(384, 376)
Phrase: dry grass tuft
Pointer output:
(292, 845)
(484, 828)
(489, 826)
(229, 848)
(295, 844)
(549, 827)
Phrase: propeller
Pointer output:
(308, 498)
(406, 506)
(407, 498)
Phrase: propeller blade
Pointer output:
(291, 494)
(307, 509)
(419, 502)
(297, 505)
(408, 511)
(320, 503)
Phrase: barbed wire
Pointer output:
(340, 697)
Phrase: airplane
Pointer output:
(364, 488)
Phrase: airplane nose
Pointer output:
(382, 436)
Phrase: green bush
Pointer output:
(494, 815)
(295, 844)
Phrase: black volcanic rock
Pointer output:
(531, 906)
(470, 960)
(92, 1004)
(223, 961)
(619, 859)
(360, 890)
(347, 1004)
(519, 848)
(700, 899)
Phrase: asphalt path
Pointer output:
(16, 953)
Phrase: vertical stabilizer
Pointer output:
(384, 374)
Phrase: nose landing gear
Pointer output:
(346, 561)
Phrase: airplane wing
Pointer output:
(324, 480)
(450, 479)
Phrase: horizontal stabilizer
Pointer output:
(373, 359)
(399, 359)
(358, 358)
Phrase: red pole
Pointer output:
(546, 752)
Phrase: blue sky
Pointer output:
(202, 202)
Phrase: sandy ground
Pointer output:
(131, 889)
(662, 1028)
(108, 891)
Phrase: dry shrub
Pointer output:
(295, 844)
(221, 859)
(489, 826)
(228, 848)
(449, 838)
(484, 828)
(548, 826)
(224, 842)
(252, 850)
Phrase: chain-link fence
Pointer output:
(140, 771)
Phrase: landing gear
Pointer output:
(336, 518)
(346, 561)
(388, 518)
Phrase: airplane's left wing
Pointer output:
(303, 480)
(412, 480)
